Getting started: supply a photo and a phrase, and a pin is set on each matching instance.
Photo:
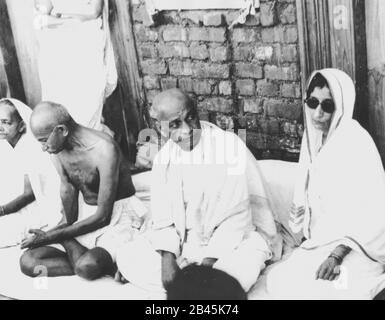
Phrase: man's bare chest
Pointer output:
(82, 172)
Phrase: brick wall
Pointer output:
(247, 77)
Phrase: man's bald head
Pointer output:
(170, 103)
(47, 115)
(175, 116)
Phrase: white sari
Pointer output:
(77, 67)
(342, 187)
(27, 158)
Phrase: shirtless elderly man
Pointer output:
(206, 193)
(91, 163)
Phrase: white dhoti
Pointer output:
(140, 263)
(295, 278)
(14, 228)
(126, 223)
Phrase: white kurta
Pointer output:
(204, 204)
(342, 187)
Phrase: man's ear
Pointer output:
(64, 129)
(22, 127)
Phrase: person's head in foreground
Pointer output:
(12, 125)
(51, 124)
(204, 283)
(175, 117)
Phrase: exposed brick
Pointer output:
(288, 34)
(254, 105)
(245, 87)
(217, 34)
(204, 87)
(199, 52)
(219, 54)
(144, 34)
(290, 53)
(225, 88)
(247, 35)
(289, 73)
(249, 70)
(180, 68)
(267, 88)
(175, 34)
(208, 34)
(291, 90)
(210, 70)
(283, 109)
(153, 67)
(288, 15)
(151, 82)
(217, 104)
(263, 53)
(213, 19)
(269, 15)
(186, 84)
(243, 53)
(177, 50)
(168, 83)
(148, 51)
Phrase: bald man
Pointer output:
(90, 163)
(205, 189)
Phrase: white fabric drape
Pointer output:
(77, 67)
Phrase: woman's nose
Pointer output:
(318, 113)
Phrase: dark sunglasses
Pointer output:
(327, 105)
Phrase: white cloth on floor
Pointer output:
(27, 158)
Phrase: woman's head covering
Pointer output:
(344, 95)
(23, 110)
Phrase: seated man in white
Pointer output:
(208, 204)
(339, 202)
(29, 187)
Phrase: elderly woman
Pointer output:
(29, 186)
(339, 202)
(76, 63)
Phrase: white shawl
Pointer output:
(232, 196)
(27, 158)
(346, 204)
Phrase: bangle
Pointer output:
(337, 257)
(2, 211)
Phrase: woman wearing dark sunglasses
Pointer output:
(339, 202)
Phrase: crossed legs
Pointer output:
(76, 260)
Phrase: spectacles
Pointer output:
(327, 105)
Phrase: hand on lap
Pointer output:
(35, 240)
(329, 270)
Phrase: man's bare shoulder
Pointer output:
(105, 145)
